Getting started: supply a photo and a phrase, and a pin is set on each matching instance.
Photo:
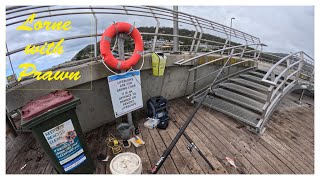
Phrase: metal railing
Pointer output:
(282, 78)
(238, 56)
(15, 15)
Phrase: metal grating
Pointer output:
(241, 114)
(250, 84)
(239, 99)
(244, 90)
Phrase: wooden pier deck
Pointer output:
(287, 146)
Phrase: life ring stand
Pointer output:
(105, 44)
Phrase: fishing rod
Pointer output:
(166, 153)
(193, 145)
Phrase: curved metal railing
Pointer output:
(299, 67)
(15, 15)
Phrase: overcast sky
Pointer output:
(282, 28)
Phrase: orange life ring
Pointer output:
(109, 33)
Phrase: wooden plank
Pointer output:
(151, 150)
(296, 145)
(9, 142)
(180, 163)
(285, 118)
(93, 145)
(111, 130)
(102, 135)
(21, 156)
(26, 157)
(297, 114)
(202, 141)
(251, 155)
(256, 160)
(168, 164)
(231, 123)
(284, 152)
(296, 157)
(42, 162)
(33, 165)
(48, 168)
(142, 151)
(232, 131)
(15, 147)
(219, 151)
(294, 137)
(189, 157)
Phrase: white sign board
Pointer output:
(125, 90)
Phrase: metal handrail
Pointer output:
(215, 60)
(100, 34)
(277, 91)
(289, 66)
(183, 61)
(207, 75)
(159, 12)
(231, 55)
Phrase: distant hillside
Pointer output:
(129, 45)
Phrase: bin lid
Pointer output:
(47, 106)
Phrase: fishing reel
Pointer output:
(190, 146)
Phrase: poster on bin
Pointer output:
(65, 144)
(125, 91)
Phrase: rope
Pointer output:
(113, 143)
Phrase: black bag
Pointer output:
(157, 107)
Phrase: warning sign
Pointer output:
(125, 91)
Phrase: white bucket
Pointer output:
(126, 163)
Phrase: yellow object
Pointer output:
(139, 141)
(113, 143)
(158, 63)
(136, 141)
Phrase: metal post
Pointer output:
(300, 65)
(300, 98)
(224, 46)
(198, 43)
(230, 30)
(121, 39)
(194, 36)
(156, 31)
(14, 74)
(175, 29)
(96, 32)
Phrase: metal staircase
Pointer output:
(251, 95)
(243, 97)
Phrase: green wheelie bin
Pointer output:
(54, 123)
